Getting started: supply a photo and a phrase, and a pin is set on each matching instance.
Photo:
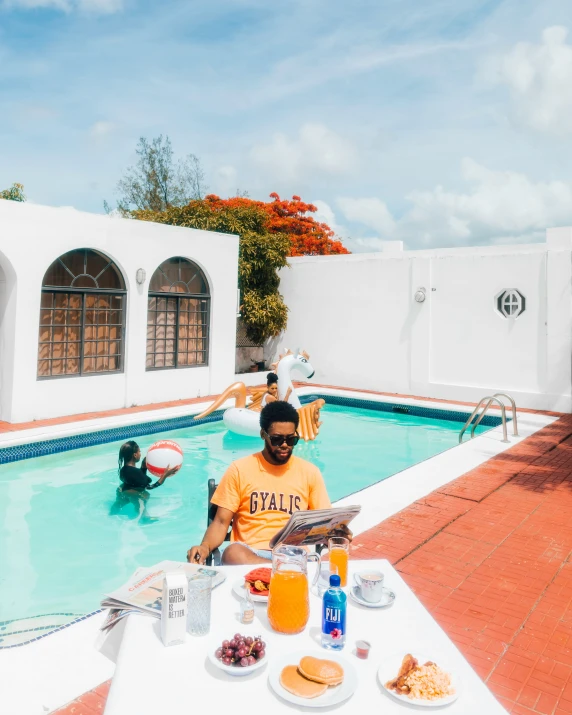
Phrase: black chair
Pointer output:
(214, 558)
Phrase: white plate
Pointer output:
(238, 589)
(387, 598)
(333, 695)
(389, 669)
(235, 670)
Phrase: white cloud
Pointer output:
(539, 78)
(325, 214)
(370, 212)
(226, 180)
(317, 150)
(100, 130)
(99, 7)
(497, 207)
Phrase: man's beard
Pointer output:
(282, 460)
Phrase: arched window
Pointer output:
(81, 316)
(178, 316)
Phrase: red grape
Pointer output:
(241, 650)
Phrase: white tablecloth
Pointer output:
(178, 680)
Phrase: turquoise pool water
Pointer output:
(61, 550)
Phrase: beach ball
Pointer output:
(163, 454)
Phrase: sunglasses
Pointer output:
(277, 439)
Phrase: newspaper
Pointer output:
(143, 592)
(306, 528)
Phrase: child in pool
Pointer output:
(135, 484)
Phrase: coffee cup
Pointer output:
(370, 584)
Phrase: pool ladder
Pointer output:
(489, 399)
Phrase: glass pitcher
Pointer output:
(288, 600)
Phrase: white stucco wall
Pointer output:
(357, 317)
(32, 237)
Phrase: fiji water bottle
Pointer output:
(334, 616)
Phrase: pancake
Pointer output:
(293, 682)
(321, 671)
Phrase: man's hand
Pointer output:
(198, 554)
(342, 530)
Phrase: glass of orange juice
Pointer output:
(288, 598)
(339, 554)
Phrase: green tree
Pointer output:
(157, 181)
(14, 193)
(261, 254)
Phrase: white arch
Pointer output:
(95, 250)
(208, 280)
(7, 334)
(191, 260)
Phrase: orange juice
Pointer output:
(288, 604)
(339, 557)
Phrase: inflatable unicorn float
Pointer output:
(245, 419)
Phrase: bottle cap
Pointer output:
(335, 581)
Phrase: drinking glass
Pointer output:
(199, 605)
(339, 553)
(327, 569)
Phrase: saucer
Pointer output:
(387, 598)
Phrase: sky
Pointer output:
(438, 123)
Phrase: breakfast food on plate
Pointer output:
(311, 677)
(421, 682)
(241, 650)
(294, 682)
(258, 580)
(321, 671)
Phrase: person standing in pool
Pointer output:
(135, 484)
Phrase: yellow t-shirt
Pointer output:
(263, 496)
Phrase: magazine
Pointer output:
(306, 528)
(143, 592)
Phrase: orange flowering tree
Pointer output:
(308, 237)
(14, 193)
(269, 233)
(292, 218)
(261, 255)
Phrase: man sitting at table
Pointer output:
(259, 493)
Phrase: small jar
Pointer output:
(246, 607)
(362, 649)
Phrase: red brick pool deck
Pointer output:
(489, 555)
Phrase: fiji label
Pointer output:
(333, 620)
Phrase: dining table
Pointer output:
(151, 678)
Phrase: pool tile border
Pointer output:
(88, 439)
(78, 619)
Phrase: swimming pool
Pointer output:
(61, 550)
